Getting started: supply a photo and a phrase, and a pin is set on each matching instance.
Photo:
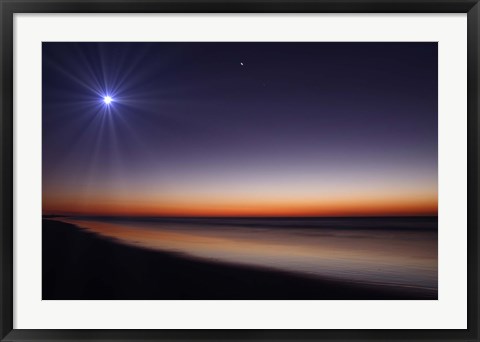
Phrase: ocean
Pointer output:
(399, 251)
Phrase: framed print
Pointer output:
(239, 170)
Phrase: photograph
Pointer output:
(239, 170)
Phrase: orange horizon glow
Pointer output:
(420, 206)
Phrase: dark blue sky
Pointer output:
(192, 130)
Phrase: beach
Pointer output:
(80, 264)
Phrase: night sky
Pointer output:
(240, 129)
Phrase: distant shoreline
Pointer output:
(429, 223)
(80, 265)
(46, 216)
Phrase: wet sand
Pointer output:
(77, 264)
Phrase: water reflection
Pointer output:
(394, 251)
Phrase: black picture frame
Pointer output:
(9, 7)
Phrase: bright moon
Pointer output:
(107, 99)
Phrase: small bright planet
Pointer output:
(107, 100)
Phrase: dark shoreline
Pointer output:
(403, 223)
(81, 265)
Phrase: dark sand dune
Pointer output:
(80, 265)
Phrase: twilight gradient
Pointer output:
(240, 129)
